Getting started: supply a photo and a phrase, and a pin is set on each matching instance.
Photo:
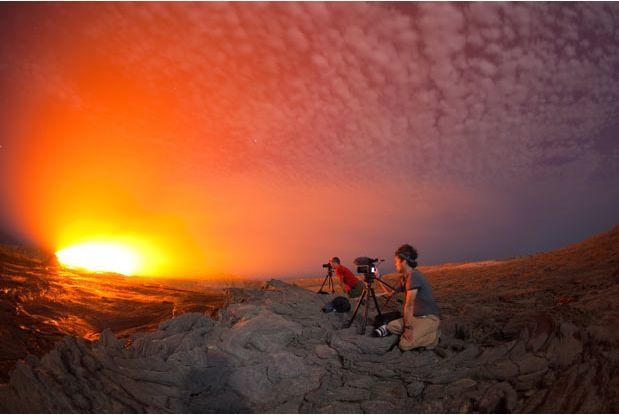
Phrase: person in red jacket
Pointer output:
(349, 283)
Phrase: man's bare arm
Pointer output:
(391, 280)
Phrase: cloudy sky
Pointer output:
(263, 138)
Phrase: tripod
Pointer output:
(367, 292)
(328, 279)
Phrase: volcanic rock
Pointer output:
(534, 334)
(273, 350)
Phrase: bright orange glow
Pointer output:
(102, 256)
(117, 156)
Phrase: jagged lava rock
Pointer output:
(273, 350)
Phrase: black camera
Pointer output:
(366, 266)
(327, 265)
(365, 269)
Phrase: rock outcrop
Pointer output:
(273, 350)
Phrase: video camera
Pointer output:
(327, 265)
(367, 267)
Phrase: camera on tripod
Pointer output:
(328, 279)
(367, 267)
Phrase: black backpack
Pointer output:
(338, 304)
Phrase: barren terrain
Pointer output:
(531, 334)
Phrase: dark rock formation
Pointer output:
(273, 350)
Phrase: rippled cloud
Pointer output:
(465, 95)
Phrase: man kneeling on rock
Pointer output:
(419, 325)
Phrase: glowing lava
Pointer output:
(101, 256)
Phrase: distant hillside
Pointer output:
(594, 251)
(570, 273)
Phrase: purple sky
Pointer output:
(471, 130)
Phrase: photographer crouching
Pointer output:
(350, 284)
(419, 326)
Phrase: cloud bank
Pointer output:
(444, 113)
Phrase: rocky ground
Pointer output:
(535, 334)
(40, 303)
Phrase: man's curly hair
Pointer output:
(407, 253)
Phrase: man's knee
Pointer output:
(396, 326)
(406, 344)
(423, 335)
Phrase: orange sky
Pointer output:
(262, 139)
(82, 180)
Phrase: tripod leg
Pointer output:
(332, 285)
(357, 307)
(365, 310)
(376, 303)
(323, 284)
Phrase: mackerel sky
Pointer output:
(279, 134)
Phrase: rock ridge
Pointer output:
(273, 350)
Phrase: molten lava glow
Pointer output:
(101, 256)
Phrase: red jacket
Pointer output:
(346, 276)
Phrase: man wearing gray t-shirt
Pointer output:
(419, 325)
